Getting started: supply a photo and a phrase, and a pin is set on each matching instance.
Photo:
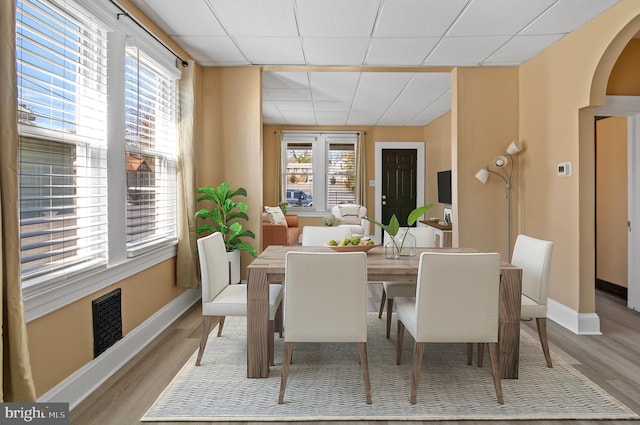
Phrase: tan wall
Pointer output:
(558, 91)
(438, 153)
(484, 122)
(624, 79)
(271, 136)
(230, 147)
(62, 342)
(611, 200)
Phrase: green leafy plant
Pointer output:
(394, 225)
(225, 216)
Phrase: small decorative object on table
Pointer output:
(352, 244)
(405, 244)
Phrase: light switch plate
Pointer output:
(372, 183)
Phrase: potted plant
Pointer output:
(225, 216)
(396, 244)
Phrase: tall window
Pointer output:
(319, 170)
(150, 156)
(90, 192)
(62, 101)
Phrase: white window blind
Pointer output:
(62, 103)
(150, 114)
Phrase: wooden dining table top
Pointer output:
(269, 267)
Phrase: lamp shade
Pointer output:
(514, 147)
(500, 161)
(483, 175)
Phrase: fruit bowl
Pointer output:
(352, 248)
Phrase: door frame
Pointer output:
(629, 106)
(419, 147)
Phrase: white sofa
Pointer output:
(350, 215)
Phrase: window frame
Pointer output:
(320, 143)
(51, 293)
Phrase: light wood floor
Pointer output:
(612, 360)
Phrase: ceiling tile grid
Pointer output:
(365, 33)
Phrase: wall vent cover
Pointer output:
(107, 321)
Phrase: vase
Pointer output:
(401, 245)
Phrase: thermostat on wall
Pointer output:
(564, 169)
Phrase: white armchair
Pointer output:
(351, 215)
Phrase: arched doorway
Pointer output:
(587, 145)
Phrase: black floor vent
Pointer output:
(107, 321)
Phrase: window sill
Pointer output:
(45, 298)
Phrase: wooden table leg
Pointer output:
(257, 323)
(509, 330)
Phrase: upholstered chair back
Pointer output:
(425, 236)
(325, 297)
(457, 297)
(214, 265)
(320, 235)
(534, 257)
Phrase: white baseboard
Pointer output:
(77, 386)
(578, 323)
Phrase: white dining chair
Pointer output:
(534, 257)
(321, 235)
(425, 238)
(325, 300)
(220, 299)
(457, 300)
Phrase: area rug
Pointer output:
(325, 384)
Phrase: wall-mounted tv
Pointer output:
(444, 187)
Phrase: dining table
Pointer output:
(269, 267)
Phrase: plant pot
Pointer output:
(234, 266)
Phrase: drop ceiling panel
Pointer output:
(169, 14)
(272, 50)
(335, 51)
(497, 17)
(521, 48)
(417, 18)
(391, 51)
(337, 18)
(249, 18)
(567, 15)
(466, 51)
(213, 51)
(384, 33)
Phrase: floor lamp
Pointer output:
(501, 162)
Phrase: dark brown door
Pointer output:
(399, 181)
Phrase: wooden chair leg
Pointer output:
(271, 342)
(495, 371)
(542, 333)
(469, 353)
(288, 351)
(480, 353)
(399, 342)
(279, 323)
(364, 364)
(220, 325)
(418, 351)
(206, 328)
(389, 314)
(384, 297)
